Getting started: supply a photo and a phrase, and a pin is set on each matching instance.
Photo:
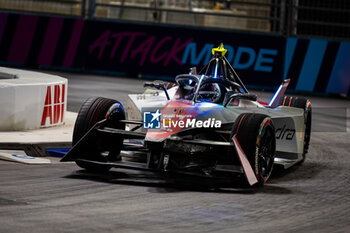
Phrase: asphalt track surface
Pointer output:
(313, 197)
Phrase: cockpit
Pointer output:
(215, 83)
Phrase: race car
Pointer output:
(206, 124)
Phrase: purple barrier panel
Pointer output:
(33, 40)
(22, 38)
(51, 38)
(3, 21)
(168, 51)
(156, 50)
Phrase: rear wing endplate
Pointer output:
(280, 92)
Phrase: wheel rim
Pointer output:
(266, 153)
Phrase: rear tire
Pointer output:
(305, 104)
(92, 111)
(256, 134)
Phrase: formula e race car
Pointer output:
(206, 124)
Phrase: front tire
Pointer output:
(256, 134)
(92, 111)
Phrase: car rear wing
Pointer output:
(279, 93)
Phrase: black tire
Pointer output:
(305, 104)
(92, 111)
(256, 134)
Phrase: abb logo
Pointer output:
(54, 107)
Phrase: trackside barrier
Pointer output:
(262, 60)
(31, 100)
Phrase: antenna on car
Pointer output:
(219, 55)
(219, 51)
(193, 70)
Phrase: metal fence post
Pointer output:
(91, 8)
(189, 3)
(121, 10)
(283, 7)
(289, 13)
(273, 7)
(294, 16)
(83, 4)
(165, 12)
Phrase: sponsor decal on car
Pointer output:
(151, 120)
(155, 120)
(285, 133)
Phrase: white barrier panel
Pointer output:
(21, 157)
(31, 100)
